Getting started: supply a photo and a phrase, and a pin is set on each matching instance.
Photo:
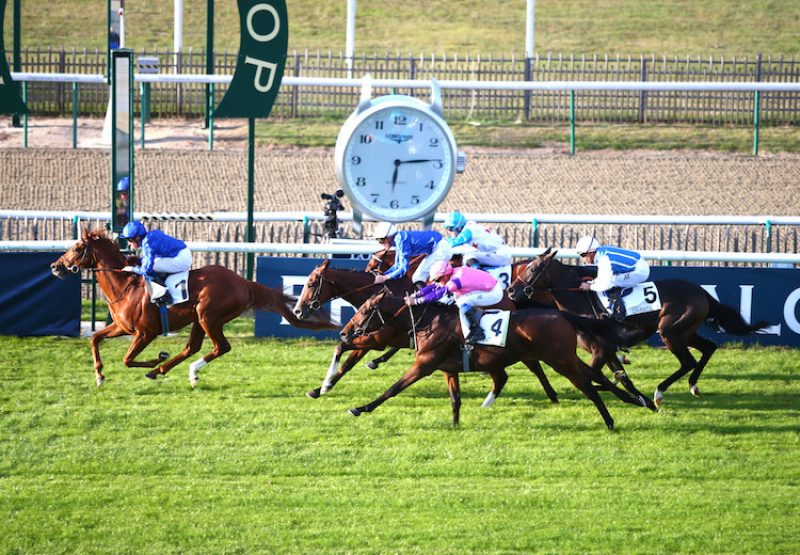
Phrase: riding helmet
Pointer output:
(455, 220)
(124, 184)
(586, 244)
(133, 230)
(439, 269)
(384, 230)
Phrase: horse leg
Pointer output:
(499, 379)
(140, 341)
(373, 364)
(706, 348)
(331, 378)
(585, 385)
(415, 373)
(677, 345)
(111, 330)
(196, 337)
(535, 367)
(221, 346)
(454, 389)
(612, 361)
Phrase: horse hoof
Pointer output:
(100, 381)
(314, 393)
(355, 412)
(694, 390)
(658, 398)
(372, 365)
(150, 375)
(162, 356)
(193, 381)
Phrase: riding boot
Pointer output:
(616, 306)
(475, 332)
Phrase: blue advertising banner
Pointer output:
(291, 274)
(33, 301)
(771, 294)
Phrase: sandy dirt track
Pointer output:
(176, 172)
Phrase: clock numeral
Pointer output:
(361, 181)
(420, 126)
(375, 197)
(400, 119)
(414, 199)
(355, 160)
(429, 185)
(394, 204)
(365, 139)
(378, 125)
(433, 142)
(438, 164)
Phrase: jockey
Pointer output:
(162, 255)
(409, 244)
(470, 286)
(489, 248)
(616, 268)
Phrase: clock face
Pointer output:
(398, 162)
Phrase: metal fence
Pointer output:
(549, 107)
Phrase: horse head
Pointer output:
(533, 276)
(369, 319)
(311, 298)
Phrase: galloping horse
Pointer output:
(326, 283)
(534, 335)
(216, 296)
(684, 307)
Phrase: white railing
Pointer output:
(778, 259)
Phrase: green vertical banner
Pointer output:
(10, 101)
(264, 39)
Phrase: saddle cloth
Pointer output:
(638, 299)
(494, 323)
(176, 284)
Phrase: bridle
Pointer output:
(529, 290)
(314, 303)
(74, 266)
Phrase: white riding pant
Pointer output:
(181, 262)
(478, 298)
(441, 251)
(606, 280)
(495, 258)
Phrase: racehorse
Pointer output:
(684, 307)
(326, 283)
(534, 335)
(216, 296)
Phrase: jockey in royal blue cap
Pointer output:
(409, 244)
(161, 255)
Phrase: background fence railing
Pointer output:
(551, 107)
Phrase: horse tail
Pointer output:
(275, 300)
(726, 319)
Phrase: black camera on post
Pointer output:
(331, 223)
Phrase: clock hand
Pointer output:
(394, 175)
(417, 161)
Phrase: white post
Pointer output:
(177, 41)
(350, 38)
(529, 21)
(121, 13)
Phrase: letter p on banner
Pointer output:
(264, 31)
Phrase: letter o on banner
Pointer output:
(263, 41)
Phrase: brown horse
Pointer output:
(216, 296)
(684, 307)
(534, 335)
(326, 283)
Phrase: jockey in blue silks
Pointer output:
(409, 244)
(616, 268)
(162, 255)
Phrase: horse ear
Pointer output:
(552, 254)
(325, 264)
(545, 253)
(85, 233)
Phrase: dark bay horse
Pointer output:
(534, 335)
(684, 307)
(216, 296)
(326, 283)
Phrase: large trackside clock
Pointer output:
(396, 157)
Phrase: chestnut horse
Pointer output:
(326, 283)
(216, 296)
(684, 307)
(534, 335)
